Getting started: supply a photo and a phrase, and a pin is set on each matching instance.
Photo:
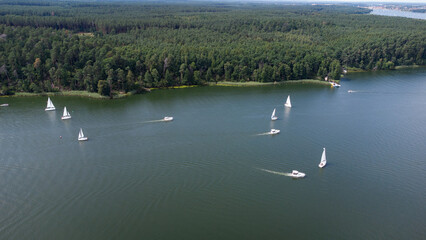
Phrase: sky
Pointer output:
(363, 1)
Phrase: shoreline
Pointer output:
(94, 95)
(255, 84)
(357, 70)
(68, 93)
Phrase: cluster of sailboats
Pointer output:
(295, 173)
(66, 115)
(274, 117)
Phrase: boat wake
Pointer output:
(263, 134)
(277, 173)
(154, 121)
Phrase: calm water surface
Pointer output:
(201, 177)
(398, 13)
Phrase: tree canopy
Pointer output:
(128, 46)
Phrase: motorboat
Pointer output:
(297, 174)
(167, 119)
(4, 105)
(274, 131)
(335, 85)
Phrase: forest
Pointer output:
(110, 47)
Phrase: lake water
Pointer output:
(398, 13)
(212, 173)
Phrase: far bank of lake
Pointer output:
(122, 95)
(96, 95)
(398, 13)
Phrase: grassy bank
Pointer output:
(251, 84)
(70, 93)
(122, 95)
(175, 87)
(355, 70)
(409, 66)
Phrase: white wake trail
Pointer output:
(277, 173)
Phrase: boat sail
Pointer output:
(323, 159)
(81, 136)
(273, 117)
(66, 114)
(50, 106)
(288, 103)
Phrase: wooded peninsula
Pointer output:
(110, 47)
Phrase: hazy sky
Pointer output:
(372, 1)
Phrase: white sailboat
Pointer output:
(66, 114)
(288, 102)
(81, 136)
(273, 117)
(50, 106)
(323, 160)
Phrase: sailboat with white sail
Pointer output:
(81, 136)
(50, 106)
(273, 117)
(288, 102)
(323, 160)
(66, 114)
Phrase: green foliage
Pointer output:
(76, 45)
(103, 88)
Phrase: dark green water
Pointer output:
(200, 177)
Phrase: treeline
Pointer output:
(108, 47)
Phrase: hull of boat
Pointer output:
(287, 105)
(322, 164)
(83, 139)
(335, 85)
(274, 132)
(65, 117)
(4, 105)
(168, 119)
(299, 175)
(274, 118)
(49, 109)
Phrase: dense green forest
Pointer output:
(108, 47)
